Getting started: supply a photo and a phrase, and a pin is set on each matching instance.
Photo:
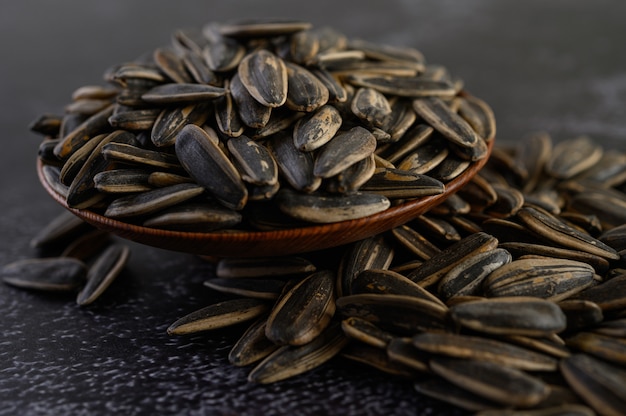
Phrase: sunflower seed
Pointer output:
(142, 119)
(376, 358)
(223, 54)
(600, 385)
(415, 242)
(226, 115)
(366, 332)
(122, 181)
(194, 217)
(61, 228)
(219, 315)
(512, 316)
(172, 65)
(479, 115)
(572, 157)
(549, 278)
(295, 166)
(600, 264)
(170, 122)
(404, 86)
(531, 156)
(320, 208)
(101, 274)
(96, 124)
(263, 267)
(483, 349)
(152, 201)
(467, 277)
(251, 112)
(264, 75)
(303, 312)
(289, 361)
(77, 160)
(262, 28)
(182, 93)
(252, 346)
(314, 130)
(353, 177)
(607, 348)
(395, 183)
(306, 92)
(252, 288)
(55, 274)
(255, 163)
(209, 166)
(396, 313)
(135, 155)
(87, 245)
(344, 150)
(495, 382)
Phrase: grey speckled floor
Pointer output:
(558, 66)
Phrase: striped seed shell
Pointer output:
(264, 75)
(607, 348)
(344, 150)
(396, 183)
(171, 64)
(467, 277)
(254, 161)
(127, 153)
(371, 106)
(122, 181)
(103, 272)
(320, 208)
(305, 91)
(289, 360)
(366, 332)
(295, 166)
(572, 157)
(219, 315)
(195, 217)
(495, 382)
(484, 349)
(600, 385)
(171, 121)
(396, 313)
(252, 113)
(72, 141)
(209, 166)
(252, 346)
(64, 226)
(404, 86)
(549, 278)
(315, 129)
(449, 124)
(152, 201)
(251, 288)
(415, 242)
(182, 93)
(56, 274)
(510, 316)
(304, 311)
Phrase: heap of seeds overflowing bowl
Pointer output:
(507, 298)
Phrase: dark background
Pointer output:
(558, 66)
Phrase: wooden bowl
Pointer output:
(271, 243)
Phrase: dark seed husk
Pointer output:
(573, 156)
(511, 316)
(446, 122)
(549, 278)
(531, 156)
(82, 192)
(559, 232)
(336, 91)
(344, 150)
(395, 183)
(353, 177)
(152, 201)
(395, 313)
(448, 169)
(366, 332)
(209, 166)
(252, 288)
(77, 160)
(262, 28)
(484, 349)
(320, 208)
(172, 65)
(218, 315)
(289, 361)
(64, 226)
(377, 358)
(389, 282)
(264, 75)
(370, 253)
(401, 350)
(195, 217)
(103, 272)
(295, 166)
(600, 385)
(495, 382)
(306, 92)
(415, 242)
(54, 274)
(416, 149)
(223, 54)
(314, 130)
(136, 155)
(122, 181)
(581, 314)
(170, 122)
(404, 86)
(252, 346)
(46, 124)
(142, 119)
(467, 277)
(52, 176)
(263, 267)
(255, 162)
(182, 93)
(434, 268)
(227, 115)
(87, 245)
(96, 124)
(447, 392)
(371, 106)
(304, 311)
(607, 348)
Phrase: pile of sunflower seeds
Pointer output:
(235, 121)
(509, 298)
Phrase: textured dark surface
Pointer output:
(558, 66)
